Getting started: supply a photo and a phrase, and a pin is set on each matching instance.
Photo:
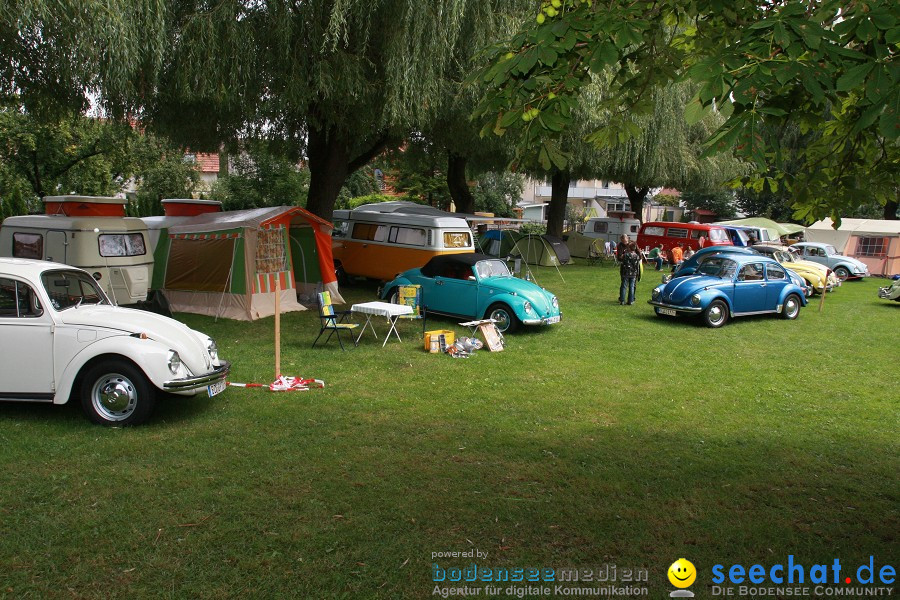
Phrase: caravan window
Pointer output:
(457, 239)
(28, 245)
(369, 231)
(407, 235)
(122, 244)
(601, 226)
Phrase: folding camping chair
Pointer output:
(331, 320)
(412, 296)
(595, 254)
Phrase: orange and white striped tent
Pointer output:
(226, 264)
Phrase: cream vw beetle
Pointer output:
(60, 337)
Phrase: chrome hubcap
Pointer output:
(114, 397)
(716, 314)
(502, 319)
(792, 307)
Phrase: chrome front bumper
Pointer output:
(199, 381)
(884, 293)
(685, 309)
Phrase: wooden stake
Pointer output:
(277, 327)
(822, 299)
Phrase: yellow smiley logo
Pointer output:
(682, 573)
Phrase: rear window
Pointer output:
(122, 244)
(654, 231)
(28, 245)
(457, 239)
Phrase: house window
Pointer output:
(872, 246)
(28, 245)
(190, 159)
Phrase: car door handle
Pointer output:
(438, 282)
(762, 285)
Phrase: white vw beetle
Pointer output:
(60, 337)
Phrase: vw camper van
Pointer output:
(89, 232)
(686, 235)
(378, 244)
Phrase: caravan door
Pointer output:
(55, 250)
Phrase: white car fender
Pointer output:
(149, 355)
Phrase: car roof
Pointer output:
(766, 249)
(438, 263)
(26, 267)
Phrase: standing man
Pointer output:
(622, 247)
(629, 268)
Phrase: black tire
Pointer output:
(842, 273)
(507, 322)
(341, 275)
(716, 314)
(393, 296)
(791, 308)
(115, 393)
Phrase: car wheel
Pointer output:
(842, 273)
(791, 307)
(116, 393)
(341, 275)
(716, 314)
(506, 319)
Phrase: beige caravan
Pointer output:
(88, 232)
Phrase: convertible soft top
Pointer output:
(439, 265)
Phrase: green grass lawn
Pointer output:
(614, 437)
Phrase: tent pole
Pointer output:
(277, 327)
(548, 247)
(227, 284)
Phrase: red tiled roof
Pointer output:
(208, 163)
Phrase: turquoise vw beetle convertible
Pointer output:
(477, 286)
(731, 285)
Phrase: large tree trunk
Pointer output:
(890, 210)
(559, 198)
(329, 160)
(636, 197)
(330, 163)
(459, 187)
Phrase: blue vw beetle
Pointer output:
(731, 285)
(477, 286)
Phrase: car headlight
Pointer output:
(174, 361)
(212, 349)
(554, 302)
(655, 293)
(528, 307)
(695, 300)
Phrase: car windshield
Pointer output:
(492, 268)
(783, 257)
(72, 288)
(717, 266)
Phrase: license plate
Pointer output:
(551, 320)
(216, 388)
(667, 311)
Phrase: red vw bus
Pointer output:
(687, 235)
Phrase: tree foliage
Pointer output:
(719, 201)
(258, 177)
(828, 66)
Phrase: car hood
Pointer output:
(538, 296)
(806, 266)
(177, 336)
(679, 291)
